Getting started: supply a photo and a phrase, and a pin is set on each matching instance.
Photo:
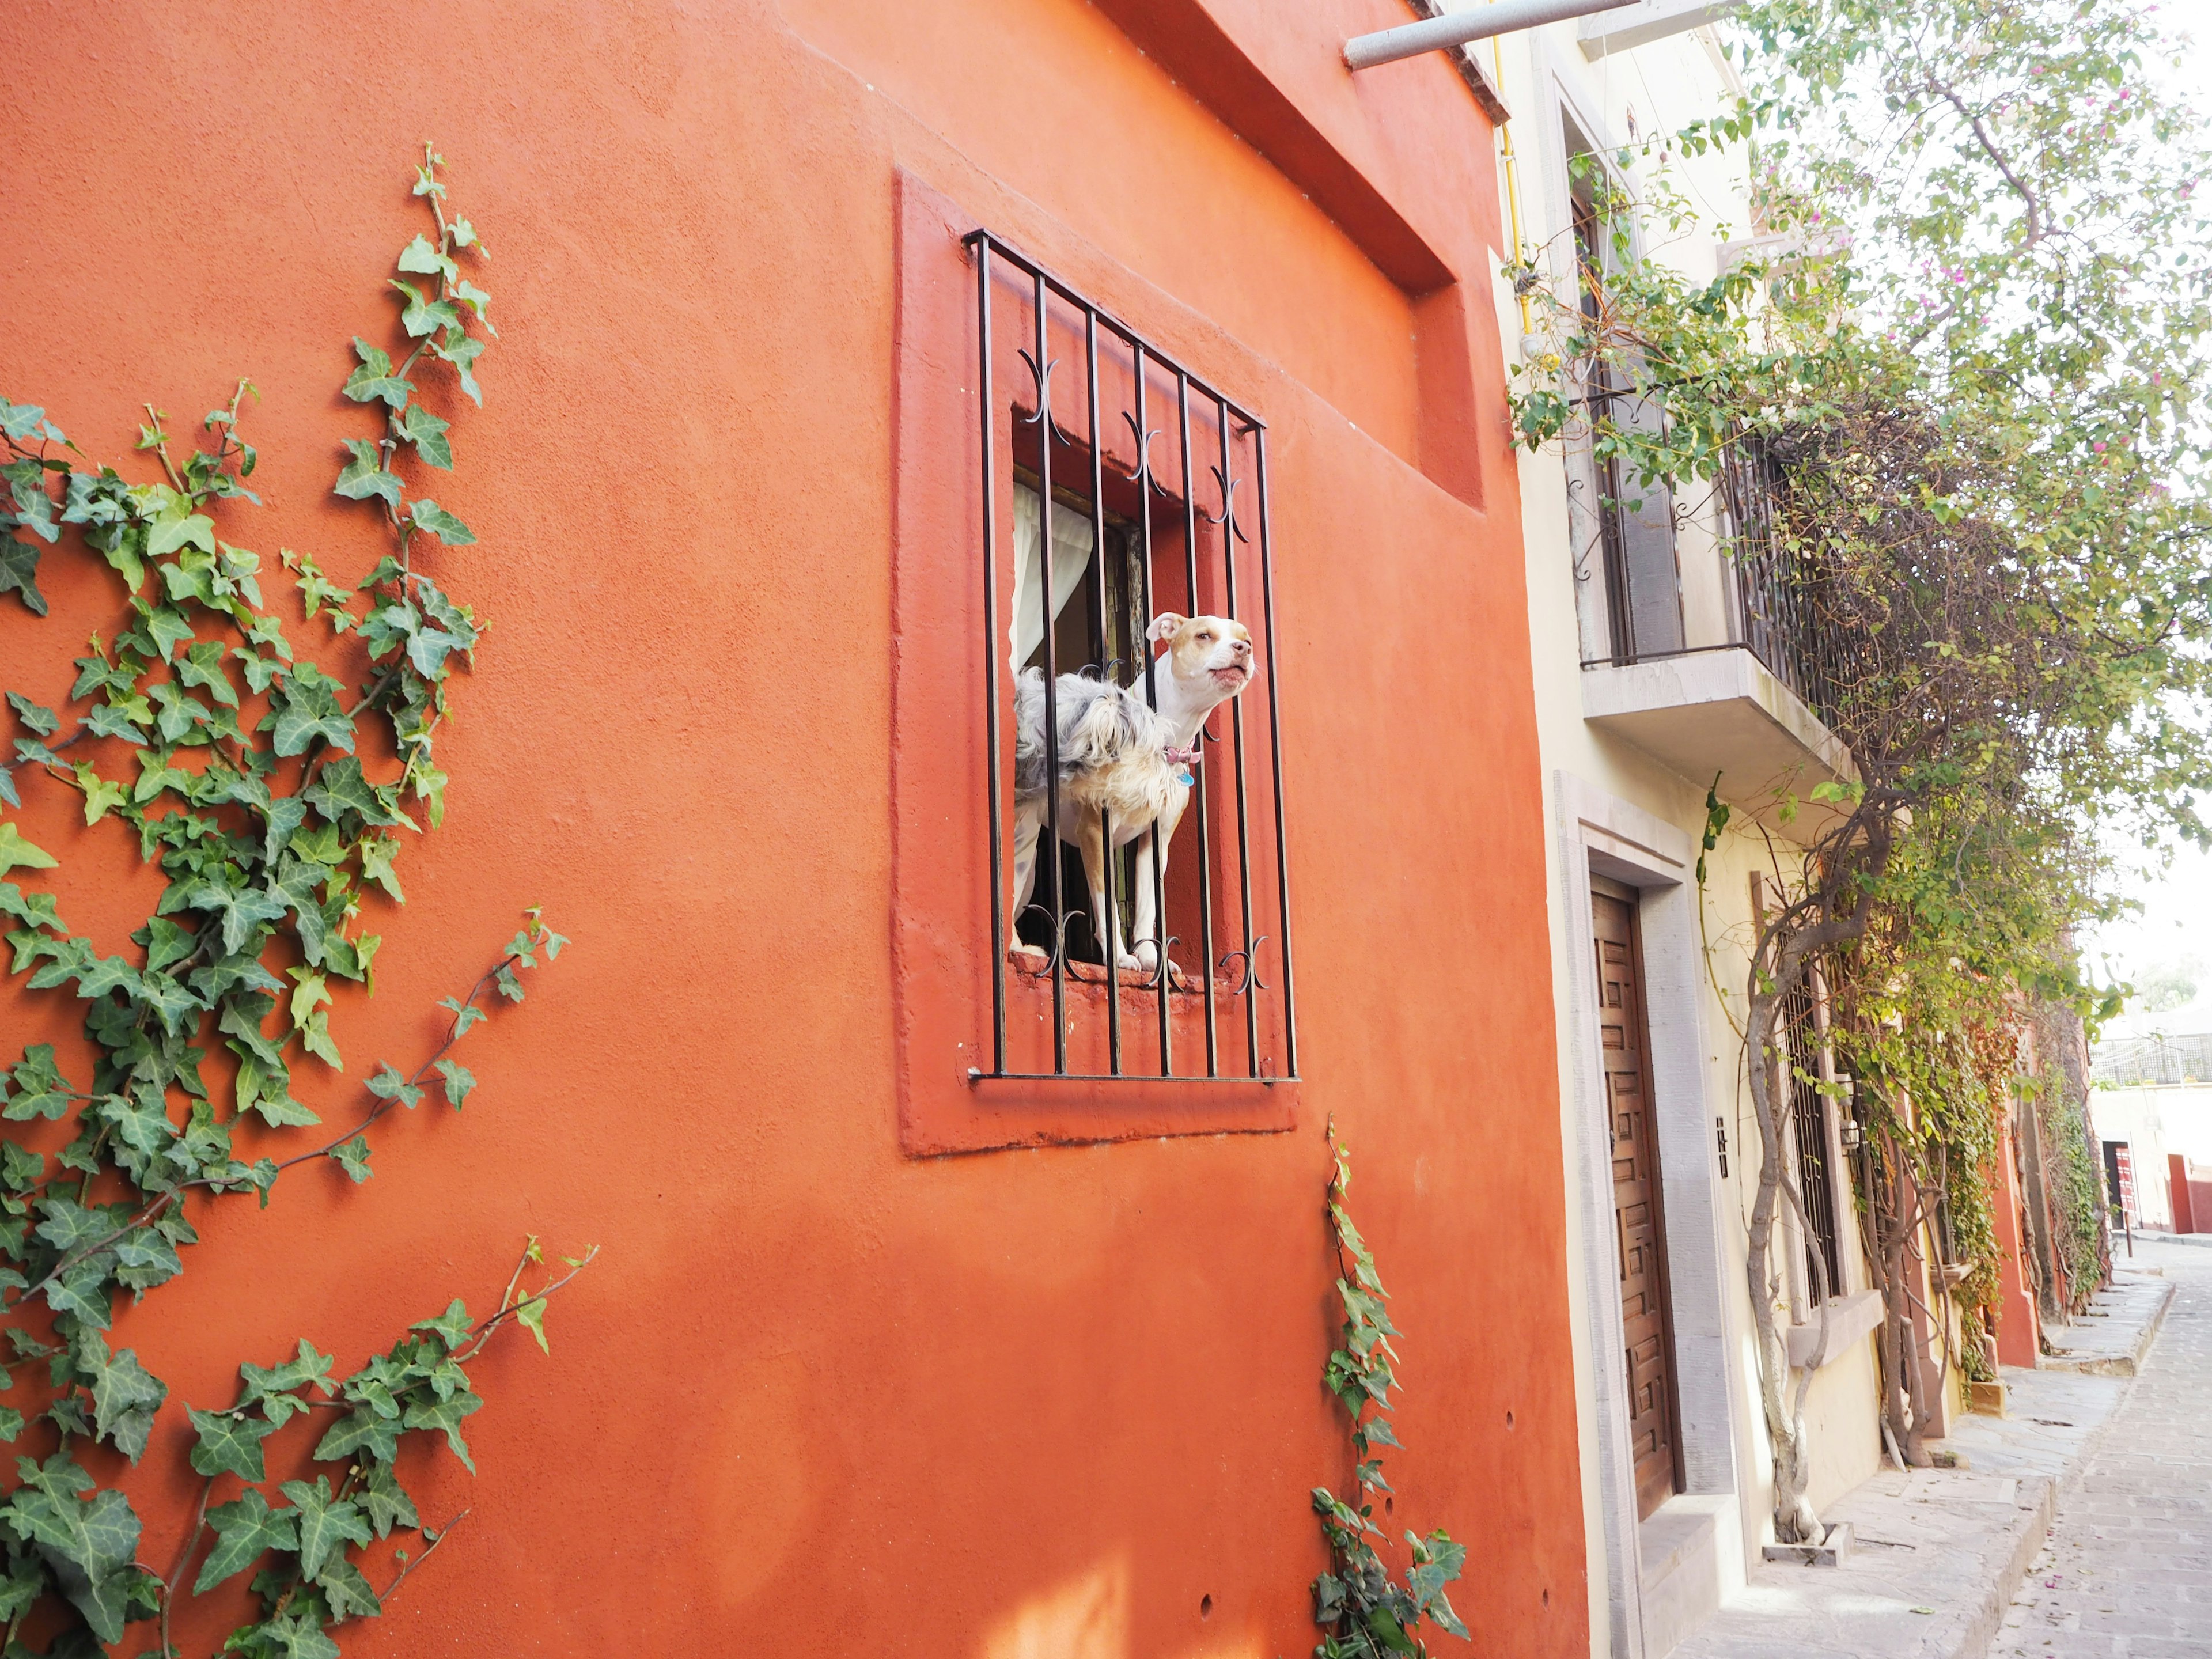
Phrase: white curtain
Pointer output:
(1070, 557)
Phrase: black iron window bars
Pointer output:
(1808, 1107)
(1124, 375)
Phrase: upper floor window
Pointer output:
(1139, 876)
(1631, 591)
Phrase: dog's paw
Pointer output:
(1132, 964)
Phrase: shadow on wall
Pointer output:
(1088, 1618)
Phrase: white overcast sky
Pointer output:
(2176, 922)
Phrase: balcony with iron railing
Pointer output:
(1701, 643)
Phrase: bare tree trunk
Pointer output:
(1795, 1521)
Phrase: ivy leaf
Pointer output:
(144, 1258)
(359, 1430)
(373, 379)
(389, 1084)
(326, 1524)
(41, 1091)
(294, 1636)
(447, 1414)
(107, 720)
(37, 909)
(447, 528)
(459, 1081)
(450, 1327)
(421, 257)
(270, 1386)
(424, 315)
(88, 1545)
(353, 1158)
(17, 852)
(364, 475)
(428, 433)
(245, 1531)
(476, 299)
(465, 1014)
(19, 571)
(531, 1315)
(36, 717)
(81, 1291)
(266, 1087)
(167, 629)
(461, 354)
(244, 912)
(102, 795)
(378, 853)
(386, 1502)
(341, 787)
(166, 942)
(109, 974)
(177, 526)
(307, 709)
(125, 1395)
(346, 1588)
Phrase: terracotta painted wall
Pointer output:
(818, 1397)
(2019, 1341)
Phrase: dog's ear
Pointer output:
(1164, 626)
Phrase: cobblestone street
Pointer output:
(2127, 1569)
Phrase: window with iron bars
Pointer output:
(1123, 495)
(1808, 1110)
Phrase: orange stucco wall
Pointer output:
(2019, 1327)
(817, 1397)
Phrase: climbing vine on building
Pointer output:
(273, 793)
(1365, 1612)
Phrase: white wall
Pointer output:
(1661, 86)
(2154, 1122)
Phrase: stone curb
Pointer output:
(2125, 1365)
(2031, 1530)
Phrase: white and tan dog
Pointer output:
(1123, 759)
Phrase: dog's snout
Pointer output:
(1241, 649)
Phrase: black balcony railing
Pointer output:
(1772, 605)
(1776, 614)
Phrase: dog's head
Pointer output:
(1211, 657)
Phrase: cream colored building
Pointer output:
(1661, 665)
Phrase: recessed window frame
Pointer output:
(1103, 334)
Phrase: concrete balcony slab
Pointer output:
(1725, 712)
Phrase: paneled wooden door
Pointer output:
(1639, 1229)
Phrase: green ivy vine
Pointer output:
(1363, 1610)
(257, 780)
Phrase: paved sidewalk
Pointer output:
(2119, 1327)
(2127, 1572)
(1942, 1552)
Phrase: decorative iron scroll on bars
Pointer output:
(1150, 536)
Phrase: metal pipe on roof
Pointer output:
(1457, 28)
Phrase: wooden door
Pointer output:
(1639, 1228)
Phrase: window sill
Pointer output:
(1849, 1318)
